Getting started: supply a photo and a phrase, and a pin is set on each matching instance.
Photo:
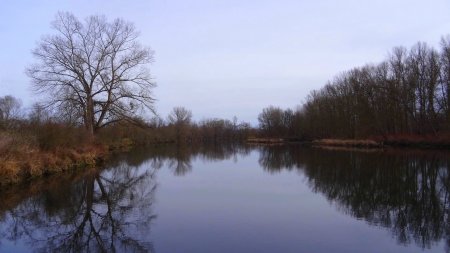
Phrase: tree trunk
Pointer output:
(89, 119)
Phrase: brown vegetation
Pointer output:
(21, 157)
(440, 140)
(45, 143)
(347, 143)
(266, 140)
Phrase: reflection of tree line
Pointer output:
(100, 212)
(95, 210)
(179, 158)
(111, 210)
(408, 193)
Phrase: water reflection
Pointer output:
(98, 212)
(112, 210)
(179, 158)
(408, 192)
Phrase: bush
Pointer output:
(51, 136)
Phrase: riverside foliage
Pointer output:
(406, 94)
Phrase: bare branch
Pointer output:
(97, 67)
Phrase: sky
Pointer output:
(233, 58)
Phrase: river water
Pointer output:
(234, 198)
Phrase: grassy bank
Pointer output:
(30, 152)
(266, 140)
(321, 142)
(21, 159)
(347, 143)
(437, 141)
(431, 141)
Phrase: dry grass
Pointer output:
(266, 140)
(5, 142)
(350, 149)
(438, 140)
(34, 150)
(348, 143)
(21, 159)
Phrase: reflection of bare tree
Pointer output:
(179, 157)
(100, 211)
(97, 211)
(104, 212)
(275, 158)
(181, 162)
(409, 193)
(221, 151)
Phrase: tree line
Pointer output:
(49, 129)
(94, 74)
(179, 127)
(407, 93)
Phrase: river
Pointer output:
(236, 198)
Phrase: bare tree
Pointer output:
(9, 109)
(39, 114)
(180, 118)
(271, 121)
(445, 75)
(96, 67)
(180, 115)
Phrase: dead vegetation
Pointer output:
(21, 157)
(266, 140)
(347, 143)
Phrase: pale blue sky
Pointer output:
(226, 58)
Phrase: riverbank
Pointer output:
(347, 143)
(430, 141)
(436, 141)
(321, 142)
(266, 140)
(276, 141)
(25, 164)
(22, 158)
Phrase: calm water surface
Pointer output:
(232, 198)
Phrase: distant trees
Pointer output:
(182, 128)
(408, 93)
(95, 71)
(445, 77)
(38, 114)
(271, 120)
(218, 129)
(180, 119)
(180, 115)
(10, 109)
(276, 122)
